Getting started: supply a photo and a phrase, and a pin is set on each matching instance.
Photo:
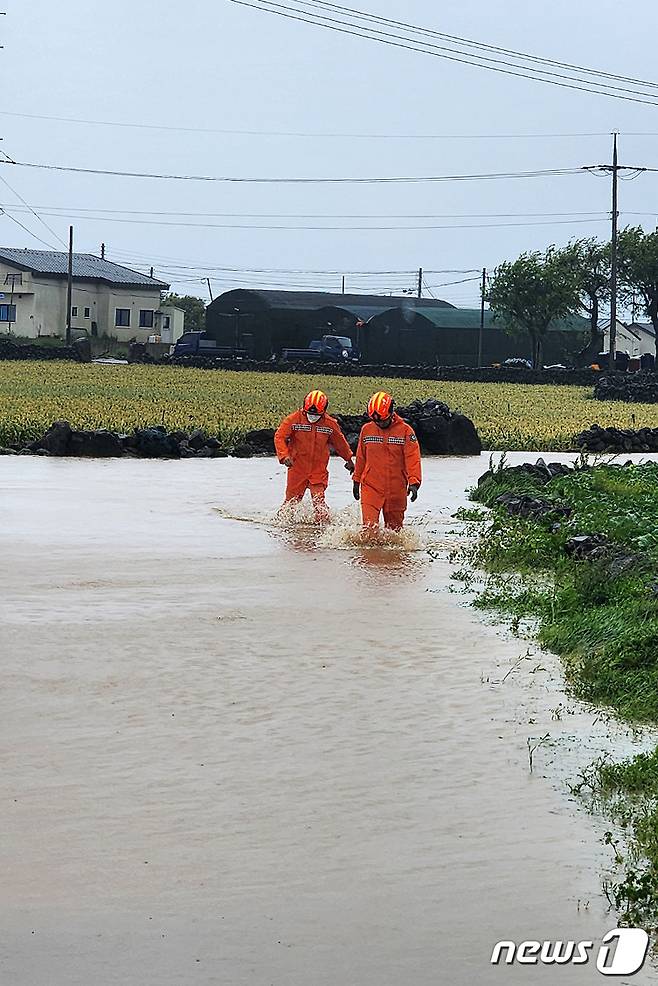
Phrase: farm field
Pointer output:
(228, 403)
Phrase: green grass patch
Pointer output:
(601, 616)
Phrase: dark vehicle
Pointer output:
(198, 344)
(328, 349)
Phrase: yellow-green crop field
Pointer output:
(226, 403)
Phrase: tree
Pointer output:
(529, 293)
(194, 308)
(638, 270)
(591, 262)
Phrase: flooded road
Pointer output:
(236, 754)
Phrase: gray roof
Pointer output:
(637, 327)
(86, 267)
(363, 305)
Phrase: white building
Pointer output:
(107, 299)
(636, 339)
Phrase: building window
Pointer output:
(74, 311)
(166, 322)
(87, 312)
(7, 313)
(146, 319)
(122, 317)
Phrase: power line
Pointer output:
(439, 51)
(30, 209)
(38, 238)
(473, 44)
(312, 135)
(547, 172)
(67, 210)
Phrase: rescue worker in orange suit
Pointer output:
(302, 442)
(387, 465)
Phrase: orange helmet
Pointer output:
(316, 399)
(380, 406)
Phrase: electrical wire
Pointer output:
(467, 58)
(547, 172)
(67, 210)
(14, 220)
(362, 15)
(29, 207)
(336, 229)
(312, 135)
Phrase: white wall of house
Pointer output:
(171, 323)
(634, 342)
(40, 304)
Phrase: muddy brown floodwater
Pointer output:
(239, 754)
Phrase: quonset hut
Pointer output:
(383, 329)
(265, 322)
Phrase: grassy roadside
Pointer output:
(595, 603)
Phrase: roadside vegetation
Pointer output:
(228, 403)
(582, 566)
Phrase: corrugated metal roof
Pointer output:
(86, 266)
(363, 305)
(469, 318)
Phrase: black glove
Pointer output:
(413, 492)
(356, 491)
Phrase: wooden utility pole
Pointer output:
(342, 285)
(614, 170)
(209, 289)
(481, 332)
(69, 288)
(614, 257)
(420, 282)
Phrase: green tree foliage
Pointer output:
(591, 263)
(194, 308)
(531, 292)
(638, 269)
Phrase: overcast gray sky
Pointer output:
(213, 64)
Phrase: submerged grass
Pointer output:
(601, 616)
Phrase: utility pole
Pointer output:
(69, 288)
(614, 257)
(614, 170)
(102, 251)
(209, 289)
(481, 332)
(420, 282)
(342, 285)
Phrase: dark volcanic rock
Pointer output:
(57, 439)
(641, 388)
(98, 444)
(587, 545)
(525, 505)
(261, 440)
(441, 431)
(597, 439)
(154, 443)
(542, 471)
(243, 451)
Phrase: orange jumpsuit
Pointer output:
(308, 446)
(387, 463)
